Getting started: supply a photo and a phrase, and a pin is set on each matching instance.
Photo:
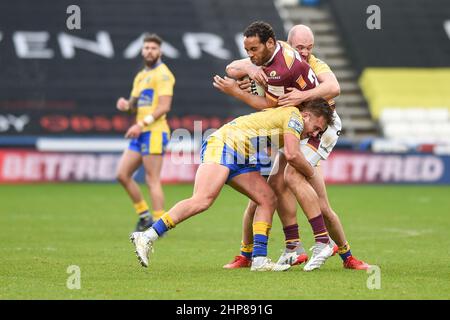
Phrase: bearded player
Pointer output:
(151, 99)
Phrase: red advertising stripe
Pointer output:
(24, 166)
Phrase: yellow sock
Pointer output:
(260, 238)
(262, 228)
(344, 249)
(246, 250)
(168, 221)
(141, 207)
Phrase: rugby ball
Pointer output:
(255, 88)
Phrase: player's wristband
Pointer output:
(149, 120)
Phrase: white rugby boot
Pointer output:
(321, 252)
(265, 264)
(143, 247)
(293, 256)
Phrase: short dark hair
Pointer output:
(152, 37)
(319, 107)
(261, 29)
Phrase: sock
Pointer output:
(319, 229)
(291, 236)
(246, 250)
(163, 225)
(344, 251)
(260, 238)
(157, 214)
(142, 209)
(151, 234)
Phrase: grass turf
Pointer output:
(46, 228)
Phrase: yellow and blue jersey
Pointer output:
(239, 144)
(148, 86)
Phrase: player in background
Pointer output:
(151, 100)
(229, 156)
(283, 68)
(301, 38)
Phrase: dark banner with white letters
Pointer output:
(63, 64)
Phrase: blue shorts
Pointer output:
(150, 143)
(216, 151)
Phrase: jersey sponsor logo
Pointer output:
(273, 73)
(144, 148)
(146, 97)
(296, 124)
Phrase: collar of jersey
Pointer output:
(273, 56)
(154, 66)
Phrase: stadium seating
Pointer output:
(403, 65)
(411, 104)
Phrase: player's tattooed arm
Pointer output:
(230, 86)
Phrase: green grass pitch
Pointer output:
(44, 229)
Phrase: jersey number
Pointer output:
(312, 77)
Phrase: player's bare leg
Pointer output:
(287, 204)
(332, 220)
(244, 259)
(247, 220)
(294, 253)
(128, 164)
(254, 186)
(209, 180)
(334, 224)
(309, 201)
(153, 165)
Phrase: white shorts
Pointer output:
(315, 150)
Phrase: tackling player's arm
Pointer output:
(229, 86)
(241, 68)
(328, 88)
(295, 157)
